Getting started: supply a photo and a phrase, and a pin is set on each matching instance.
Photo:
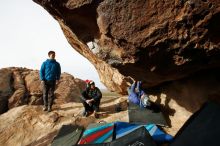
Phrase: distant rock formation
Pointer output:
(19, 86)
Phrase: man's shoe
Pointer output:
(49, 109)
(44, 108)
(96, 115)
(85, 114)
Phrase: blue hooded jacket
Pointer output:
(134, 96)
(50, 70)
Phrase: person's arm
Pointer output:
(42, 72)
(139, 86)
(133, 96)
(58, 71)
(133, 87)
(98, 95)
(84, 95)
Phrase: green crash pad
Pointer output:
(145, 116)
(68, 135)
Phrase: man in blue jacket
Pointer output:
(49, 74)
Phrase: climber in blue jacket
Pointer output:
(137, 96)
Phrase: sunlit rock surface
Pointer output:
(19, 86)
(30, 125)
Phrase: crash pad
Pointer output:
(68, 135)
(146, 116)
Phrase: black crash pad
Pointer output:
(146, 116)
(137, 137)
(202, 128)
(68, 135)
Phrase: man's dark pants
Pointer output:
(94, 105)
(48, 93)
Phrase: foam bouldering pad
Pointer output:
(138, 137)
(98, 133)
(97, 144)
(201, 129)
(145, 116)
(94, 125)
(68, 135)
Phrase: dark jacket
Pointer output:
(50, 70)
(91, 94)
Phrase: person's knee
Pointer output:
(96, 107)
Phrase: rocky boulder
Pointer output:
(19, 86)
(6, 89)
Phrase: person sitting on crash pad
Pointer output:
(137, 96)
(91, 97)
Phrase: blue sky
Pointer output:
(28, 32)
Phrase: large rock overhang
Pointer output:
(148, 40)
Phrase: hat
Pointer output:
(91, 83)
(87, 81)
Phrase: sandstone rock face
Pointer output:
(5, 89)
(20, 91)
(153, 41)
(19, 86)
(27, 124)
(69, 89)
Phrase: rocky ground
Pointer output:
(30, 125)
